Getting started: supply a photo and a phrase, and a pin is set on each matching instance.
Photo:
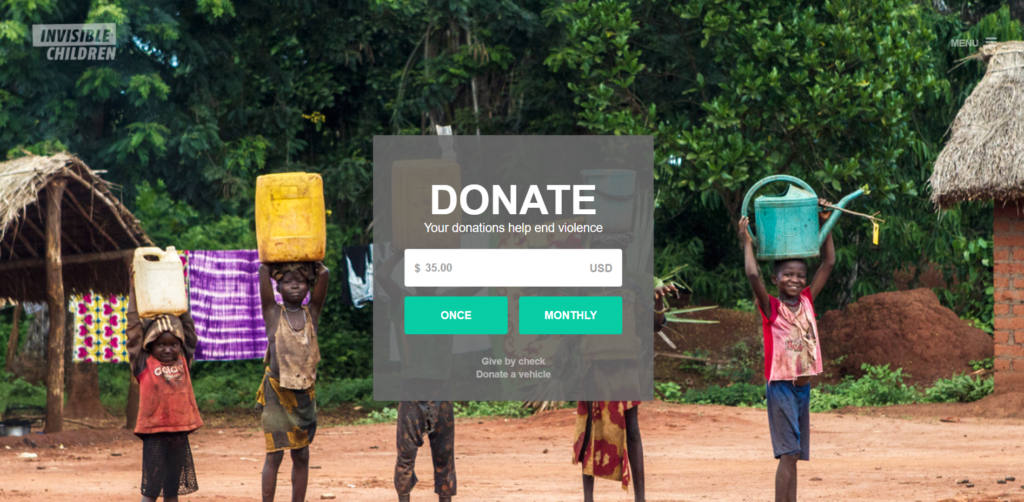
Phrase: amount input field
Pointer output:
(513, 268)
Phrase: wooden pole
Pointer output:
(55, 302)
(131, 410)
(12, 342)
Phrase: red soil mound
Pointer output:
(1005, 405)
(905, 329)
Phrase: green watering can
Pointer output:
(787, 224)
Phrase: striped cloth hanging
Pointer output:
(224, 294)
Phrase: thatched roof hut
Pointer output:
(96, 230)
(984, 157)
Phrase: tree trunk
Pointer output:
(12, 342)
(82, 380)
(55, 302)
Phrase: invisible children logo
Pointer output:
(76, 42)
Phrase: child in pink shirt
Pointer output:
(791, 352)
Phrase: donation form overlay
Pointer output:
(513, 268)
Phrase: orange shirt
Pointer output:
(166, 400)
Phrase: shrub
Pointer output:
(507, 409)
(738, 394)
(879, 386)
(220, 392)
(984, 364)
(384, 416)
(959, 389)
(20, 392)
(334, 393)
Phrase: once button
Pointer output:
(570, 315)
(456, 315)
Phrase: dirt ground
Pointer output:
(693, 453)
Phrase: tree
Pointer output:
(840, 94)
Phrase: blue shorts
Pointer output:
(789, 410)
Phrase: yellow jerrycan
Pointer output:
(411, 192)
(290, 219)
(159, 282)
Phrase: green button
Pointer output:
(456, 315)
(570, 315)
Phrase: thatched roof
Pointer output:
(984, 157)
(96, 229)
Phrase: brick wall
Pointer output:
(1008, 227)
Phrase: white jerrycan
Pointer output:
(159, 282)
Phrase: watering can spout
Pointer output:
(827, 227)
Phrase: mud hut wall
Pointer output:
(1008, 239)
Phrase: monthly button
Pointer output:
(570, 315)
(456, 315)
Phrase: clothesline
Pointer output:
(223, 289)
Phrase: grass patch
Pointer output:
(384, 416)
(880, 386)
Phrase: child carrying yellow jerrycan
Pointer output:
(292, 239)
(161, 342)
(290, 218)
(790, 228)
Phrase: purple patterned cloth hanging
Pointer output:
(224, 293)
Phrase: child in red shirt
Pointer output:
(160, 352)
(792, 352)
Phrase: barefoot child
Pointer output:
(160, 352)
(287, 394)
(792, 353)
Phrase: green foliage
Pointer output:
(701, 367)
(18, 391)
(984, 364)
(745, 362)
(385, 416)
(879, 386)
(840, 95)
(745, 305)
(959, 389)
(974, 303)
(140, 87)
(337, 392)
(222, 392)
(741, 366)
(507, 409)
(47, 147)
(169, 222)
(737, 394)
(114, 383)
(720, 283)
